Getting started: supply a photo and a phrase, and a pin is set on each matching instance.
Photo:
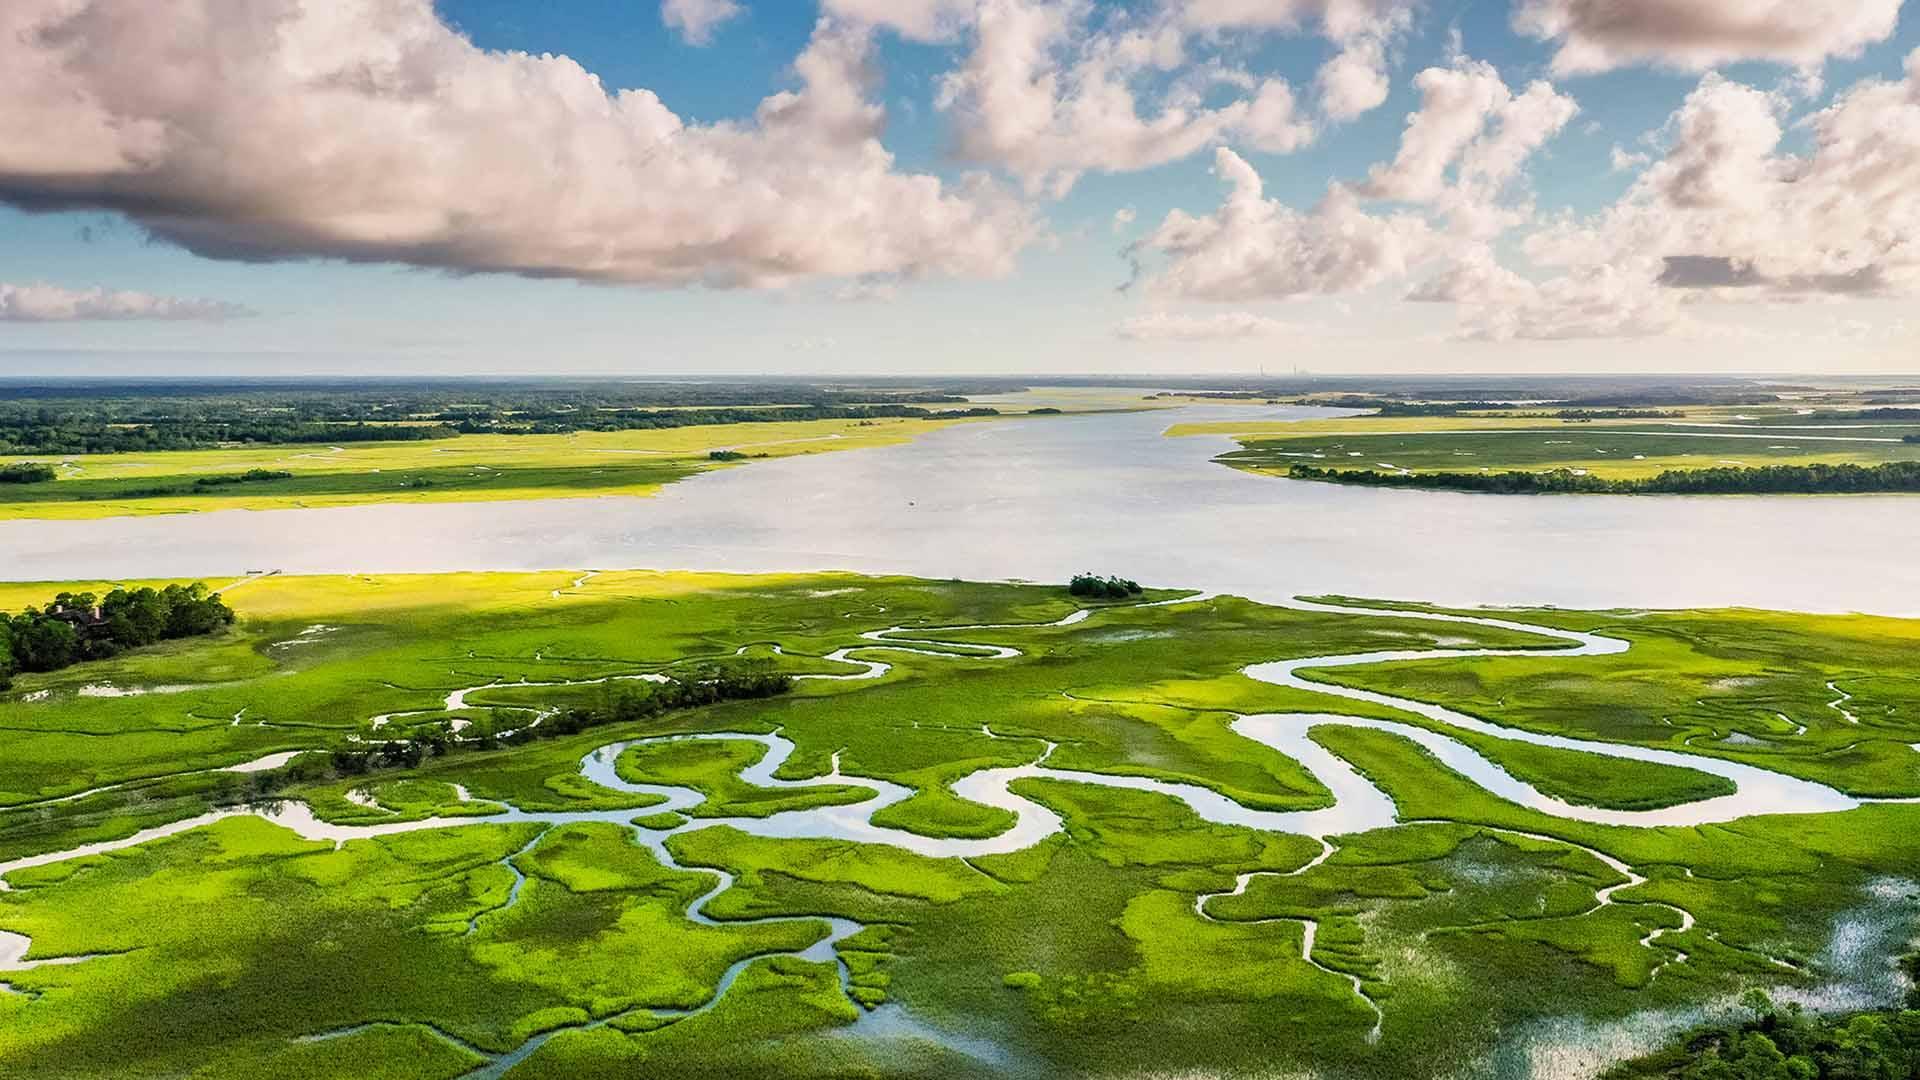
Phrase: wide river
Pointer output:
(1041, 498)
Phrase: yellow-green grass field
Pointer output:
(1609, 449)
(469, 468)
(225, 950)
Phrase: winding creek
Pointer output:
(1356, 805)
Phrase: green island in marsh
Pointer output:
(1840, 446)
(584, 824)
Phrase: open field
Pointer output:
(470, 468)
(1605, 448)
(492, 912)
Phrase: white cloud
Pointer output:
(1462, 151)
(1470, 123)
(919, 20)
(1123, 218)
(1728, 210)
(1723, 214)
(1623, 160)
(1048, 95)
(1594, 302)
(1226, 326)
(1255, 248)
(40, 302)
(369, 130)
(1355, 80)
(696, 20)
(1340, 18)
(1600, 35)
(1721, 210)
(1497, 304)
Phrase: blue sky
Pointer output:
(1060, 307)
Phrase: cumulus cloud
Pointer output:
(40, 302)
(1355, 80)
(1471, 124)
(1461, 152)
(1255, 248)
(1722, 208)
(919, 20)
(696, 20)
(370, 130)
(1046, 94)
(1727, 208)
(1593, 302)
(1601, 35)
(1497, 304)
(1226, 326)
(1724, 212)
(1623, 160)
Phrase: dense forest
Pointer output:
(1893, 476)
(136, 422)
(1777, 1044)
(73, 417)
(80, 626)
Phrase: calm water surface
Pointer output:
(1041, 498)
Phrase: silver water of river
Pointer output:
(1042, 497)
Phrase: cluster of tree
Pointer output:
(26, 472)
(1895, 476)
(248, 477)
(1884, 414)
(1777, 1044)
(81, 626)
(1093, 586)
(707, 685)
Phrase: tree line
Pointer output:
(74, 435)
(569, 421)
(65, 434)
(61, 417)
(1893, 476)
(75, 627)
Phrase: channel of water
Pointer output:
(1357, 804)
